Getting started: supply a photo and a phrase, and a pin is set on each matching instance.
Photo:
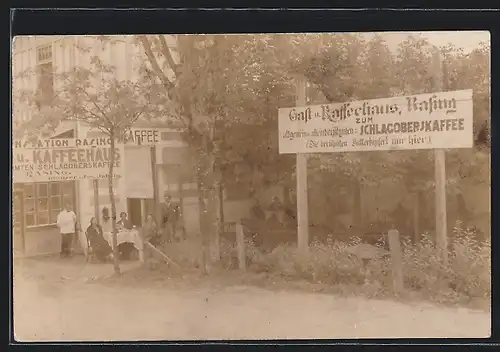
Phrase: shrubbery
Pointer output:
(466, 276)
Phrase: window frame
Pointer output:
(65, 191)
(44, 54)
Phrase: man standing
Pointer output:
(66, 221)
(169, 217)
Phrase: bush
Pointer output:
(467, 275)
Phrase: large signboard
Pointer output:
(64, 159)
(426, 121)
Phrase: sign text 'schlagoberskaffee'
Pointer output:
(426, 121)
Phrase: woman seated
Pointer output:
(124, 223)
(99, 245)
(127, 250)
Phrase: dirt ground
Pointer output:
(66, 300)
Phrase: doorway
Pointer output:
(138, 209)
(149, 207)
(134, 211)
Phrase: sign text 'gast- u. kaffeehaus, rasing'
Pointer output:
(425, 121)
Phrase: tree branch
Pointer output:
(154, 63)
(104, 116)
(168, 55)
(95, 124)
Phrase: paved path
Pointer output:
(47, 309)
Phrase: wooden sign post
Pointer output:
(396, 260)
(301, 174)
(440, 174)
(240, 246)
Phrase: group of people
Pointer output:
(277, 214)
(156, 235)
(264, 219)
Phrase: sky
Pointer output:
(467, 40)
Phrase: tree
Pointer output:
(224, 87)
(94, 95)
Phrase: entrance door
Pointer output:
(18, 222)
(134, 211)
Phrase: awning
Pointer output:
(66, 134)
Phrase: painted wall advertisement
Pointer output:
(64, 159)
(426, 121)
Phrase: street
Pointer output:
(57, 301)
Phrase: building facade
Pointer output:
(36, 205)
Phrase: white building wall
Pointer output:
(86, 190)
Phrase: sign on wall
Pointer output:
(426, 121)
(139, 178)
(64, 160)
(154, 136)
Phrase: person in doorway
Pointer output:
(66, 221)
(169, 217)
(99, 245)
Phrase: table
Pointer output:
(132, 236)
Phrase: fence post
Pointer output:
(240, 246)
(396, 260)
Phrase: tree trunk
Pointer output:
(181, 210)
(220, 227)
(202, 191)
(213, 221)
(358, 211)
(205, 255)
(116, 263)
(416, 217)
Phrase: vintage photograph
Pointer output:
(251, 186)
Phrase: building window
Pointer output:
(45, 89)
(44, 53)
(44, 200)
